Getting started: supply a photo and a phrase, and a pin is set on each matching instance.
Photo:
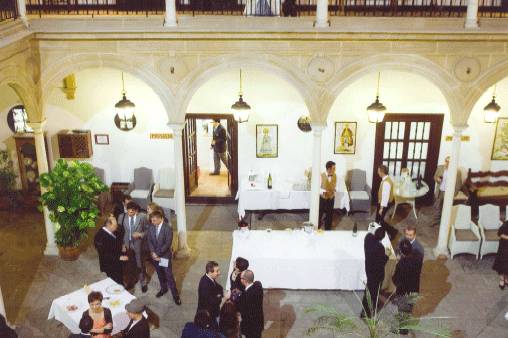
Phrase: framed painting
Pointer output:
(102, 139)
(500, 146)
(267, 140)
(345, 138)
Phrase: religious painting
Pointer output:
(267, 140)
(345, 138)
(500, 146)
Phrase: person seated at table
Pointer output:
(201, 327)
(85, 324)
(241, 264)
(100, 316)
(138, 325)
(327, 196)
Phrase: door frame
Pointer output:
(233, 170)
(435, 136)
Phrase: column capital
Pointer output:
(318, 127)
(177, 128)
(459, 128)
(38, 127)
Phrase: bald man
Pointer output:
(250, 305)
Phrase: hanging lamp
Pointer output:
(376, 111)
(491, 111)
(125, 119)
(240, 107)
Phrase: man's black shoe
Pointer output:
(161, 293)
(144, 288)
(177, 300)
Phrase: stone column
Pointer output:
(472, 15)
(322, 14)
(42, 165)
(183, 250)
(2, 306)
(451, 177)
(22, 11)
(170, 17)
(317, 130)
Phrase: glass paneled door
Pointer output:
(409, 141)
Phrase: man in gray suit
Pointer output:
(160, 237)
(135, 225)
(440, 178)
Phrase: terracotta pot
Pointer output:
(68, 253)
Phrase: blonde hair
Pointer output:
(155, 207)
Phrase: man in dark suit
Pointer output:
(210, 292)
(219, 145)
(135, 225)
(375, 260)
(109, 247)
(138, 325)
(160, 238)
(250, 306)
(407, 278)
(410, 235)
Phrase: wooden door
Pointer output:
(190, 155)
(232, 129)
(408, 141)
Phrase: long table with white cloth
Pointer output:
(283, 197)
(115, 299)
(294, 259)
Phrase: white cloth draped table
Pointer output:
(293, 259)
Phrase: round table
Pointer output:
(407, 193)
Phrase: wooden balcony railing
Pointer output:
(8, 9)
(410, 8)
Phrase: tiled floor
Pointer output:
(463, 291)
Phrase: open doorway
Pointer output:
(211, 172)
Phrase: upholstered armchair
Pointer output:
(465, 235)
(164, 190)
(489, 223)
(141, 187)
(359, 191)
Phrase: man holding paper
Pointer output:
(160, 237)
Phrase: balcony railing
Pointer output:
(411, 8)
(8, 9)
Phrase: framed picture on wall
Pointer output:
(500, 146)
(102, 139)
(267, 140)
(345, 138)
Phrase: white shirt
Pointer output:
(442, 185)
(210, 278)
(248, 286)
(109, 232)
(385, 192)
(157, 230)
(134, 323)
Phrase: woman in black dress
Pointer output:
(501, 262)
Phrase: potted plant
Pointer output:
(7, 179)
(71, 191)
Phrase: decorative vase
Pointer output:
(68, 253)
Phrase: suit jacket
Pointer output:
(208, 296)
(407, 274)
(439, 174)
(161, 245)
(375, 259)
(140, 330)
(107, 317)
(109, 249)
(250, 306)
(220, 137)
(140, 225)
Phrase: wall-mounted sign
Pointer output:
(463, 138)
(161, 136)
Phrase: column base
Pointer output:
(472, 24)
(170, 23)
(24, 19)
(183, 250)
(51, 250)
(322, 24)
(441, 253)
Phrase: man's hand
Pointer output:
(380, 211)
(137, 235)
(124, 258)
(108, 326)
(439, 180)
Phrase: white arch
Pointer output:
(16, 78)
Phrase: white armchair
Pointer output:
(465, 235)
(489, 222)
(164, 190)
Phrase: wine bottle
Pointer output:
(419, 182)
(355, 230)
(269, 181)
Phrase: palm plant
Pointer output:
(382, 323)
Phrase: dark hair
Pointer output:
(133, 205)
(383, 169)
(379, 234)
(242, 264)
(216, 120)
(126, 197)
(156, 213)
(210, 266)
(94, 295)
(329, 164)
(411, 228)
(405, 247)
(229, 325)
(202, 319)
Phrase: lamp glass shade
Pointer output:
(125, 108)
(376, 111)
(241, 110)
(491, 111)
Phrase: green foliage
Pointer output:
(383, 323)
(70, 193)
(7, 175)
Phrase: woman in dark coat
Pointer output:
(501, 262)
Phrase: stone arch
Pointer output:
(20, 82)
(444, 81)
(52, 75)
(215, 66)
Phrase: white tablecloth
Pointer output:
(290, 259)
(283, 198)
(80, 299)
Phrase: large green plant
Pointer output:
(7, 175)
(71, 192)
